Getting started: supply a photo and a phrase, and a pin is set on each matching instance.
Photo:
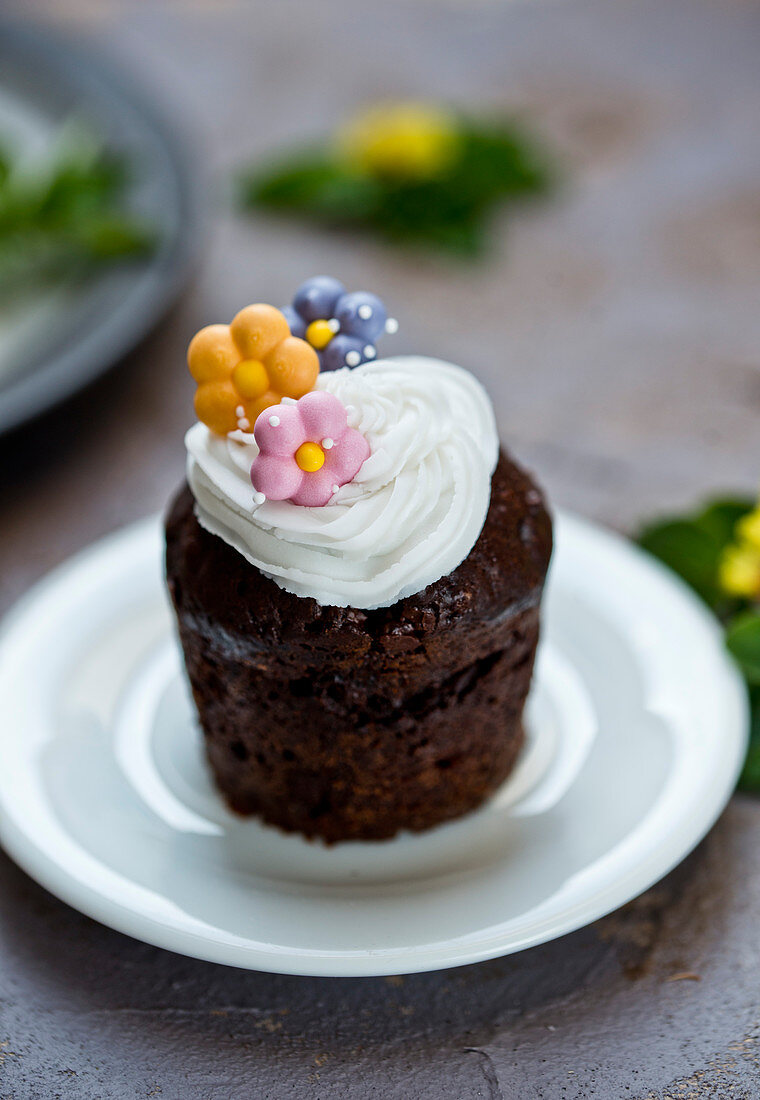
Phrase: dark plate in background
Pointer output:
(56, 345)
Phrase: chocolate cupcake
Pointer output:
(357, 583)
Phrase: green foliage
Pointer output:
(749, 780)
(719, 518)
(319, 187)
(692, 547)
(689, 551)
(743, 640)
(65, 216)
(496, 163)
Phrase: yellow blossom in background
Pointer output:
(401, 140)
(739, 570)
(413, 173)
(748, 529)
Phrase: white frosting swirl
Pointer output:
(410, 516)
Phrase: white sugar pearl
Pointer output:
(274, 421)
(370, 352)
(334, 325)
(240, 412)
(258, 498)
(244, 424)
(391, 325)
(365, 312)
(288, 401)
(335, 488)
(328, 443)
(353, 359)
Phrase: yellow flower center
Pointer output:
(250, 378)
(310, 457)
(319, 334)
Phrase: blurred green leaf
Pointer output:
(319, 187)
(496, 162)
(502, 160)
(689, 551)
(719, 518)
(65, 216)
(749, 780)
(692, 546)
(109, 236)
(743, 641)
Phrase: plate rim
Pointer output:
(445, 954)
(86, 357)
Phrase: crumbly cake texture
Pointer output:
(350, 724)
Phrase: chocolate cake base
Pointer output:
(349, 724)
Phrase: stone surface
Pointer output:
(618, 331)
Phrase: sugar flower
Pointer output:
(342, 327)
(306, 450)
(246, 366)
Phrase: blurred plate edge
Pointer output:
(158, 281)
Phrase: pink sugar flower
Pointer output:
(306, 450)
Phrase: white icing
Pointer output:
(410, 516)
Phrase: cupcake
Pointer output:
(356, 569)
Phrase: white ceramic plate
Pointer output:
(637, 729)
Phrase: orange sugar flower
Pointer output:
(244, 367)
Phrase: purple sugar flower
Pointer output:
(342, 327)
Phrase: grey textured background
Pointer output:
(618, 330)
